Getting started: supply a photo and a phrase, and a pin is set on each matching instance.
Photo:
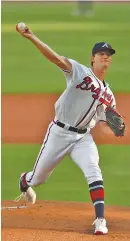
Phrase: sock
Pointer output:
(97, 196)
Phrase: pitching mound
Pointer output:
(60, 221)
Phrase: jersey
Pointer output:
(85, 98)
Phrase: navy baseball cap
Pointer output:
(103, 46)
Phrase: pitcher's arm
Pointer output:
(50, 54)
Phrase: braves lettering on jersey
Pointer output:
(84, 101)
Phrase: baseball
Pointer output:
(21, 26)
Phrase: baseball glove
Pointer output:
(115, 121)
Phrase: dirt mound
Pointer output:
(50, 221)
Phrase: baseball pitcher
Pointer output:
(86, 100)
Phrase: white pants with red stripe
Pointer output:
(57, 143)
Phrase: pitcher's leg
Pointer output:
(85, 155)
(55, 146)
(49, 156)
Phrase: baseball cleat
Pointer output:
(100, 226)
(28, 193)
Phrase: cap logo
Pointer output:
(105, 45)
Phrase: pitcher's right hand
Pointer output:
(24, 30)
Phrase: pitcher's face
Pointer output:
(102, 60)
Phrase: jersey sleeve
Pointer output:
(74, 74)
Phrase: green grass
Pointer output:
(67, 181)
(25, 70)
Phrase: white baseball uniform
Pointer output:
(81, 105)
